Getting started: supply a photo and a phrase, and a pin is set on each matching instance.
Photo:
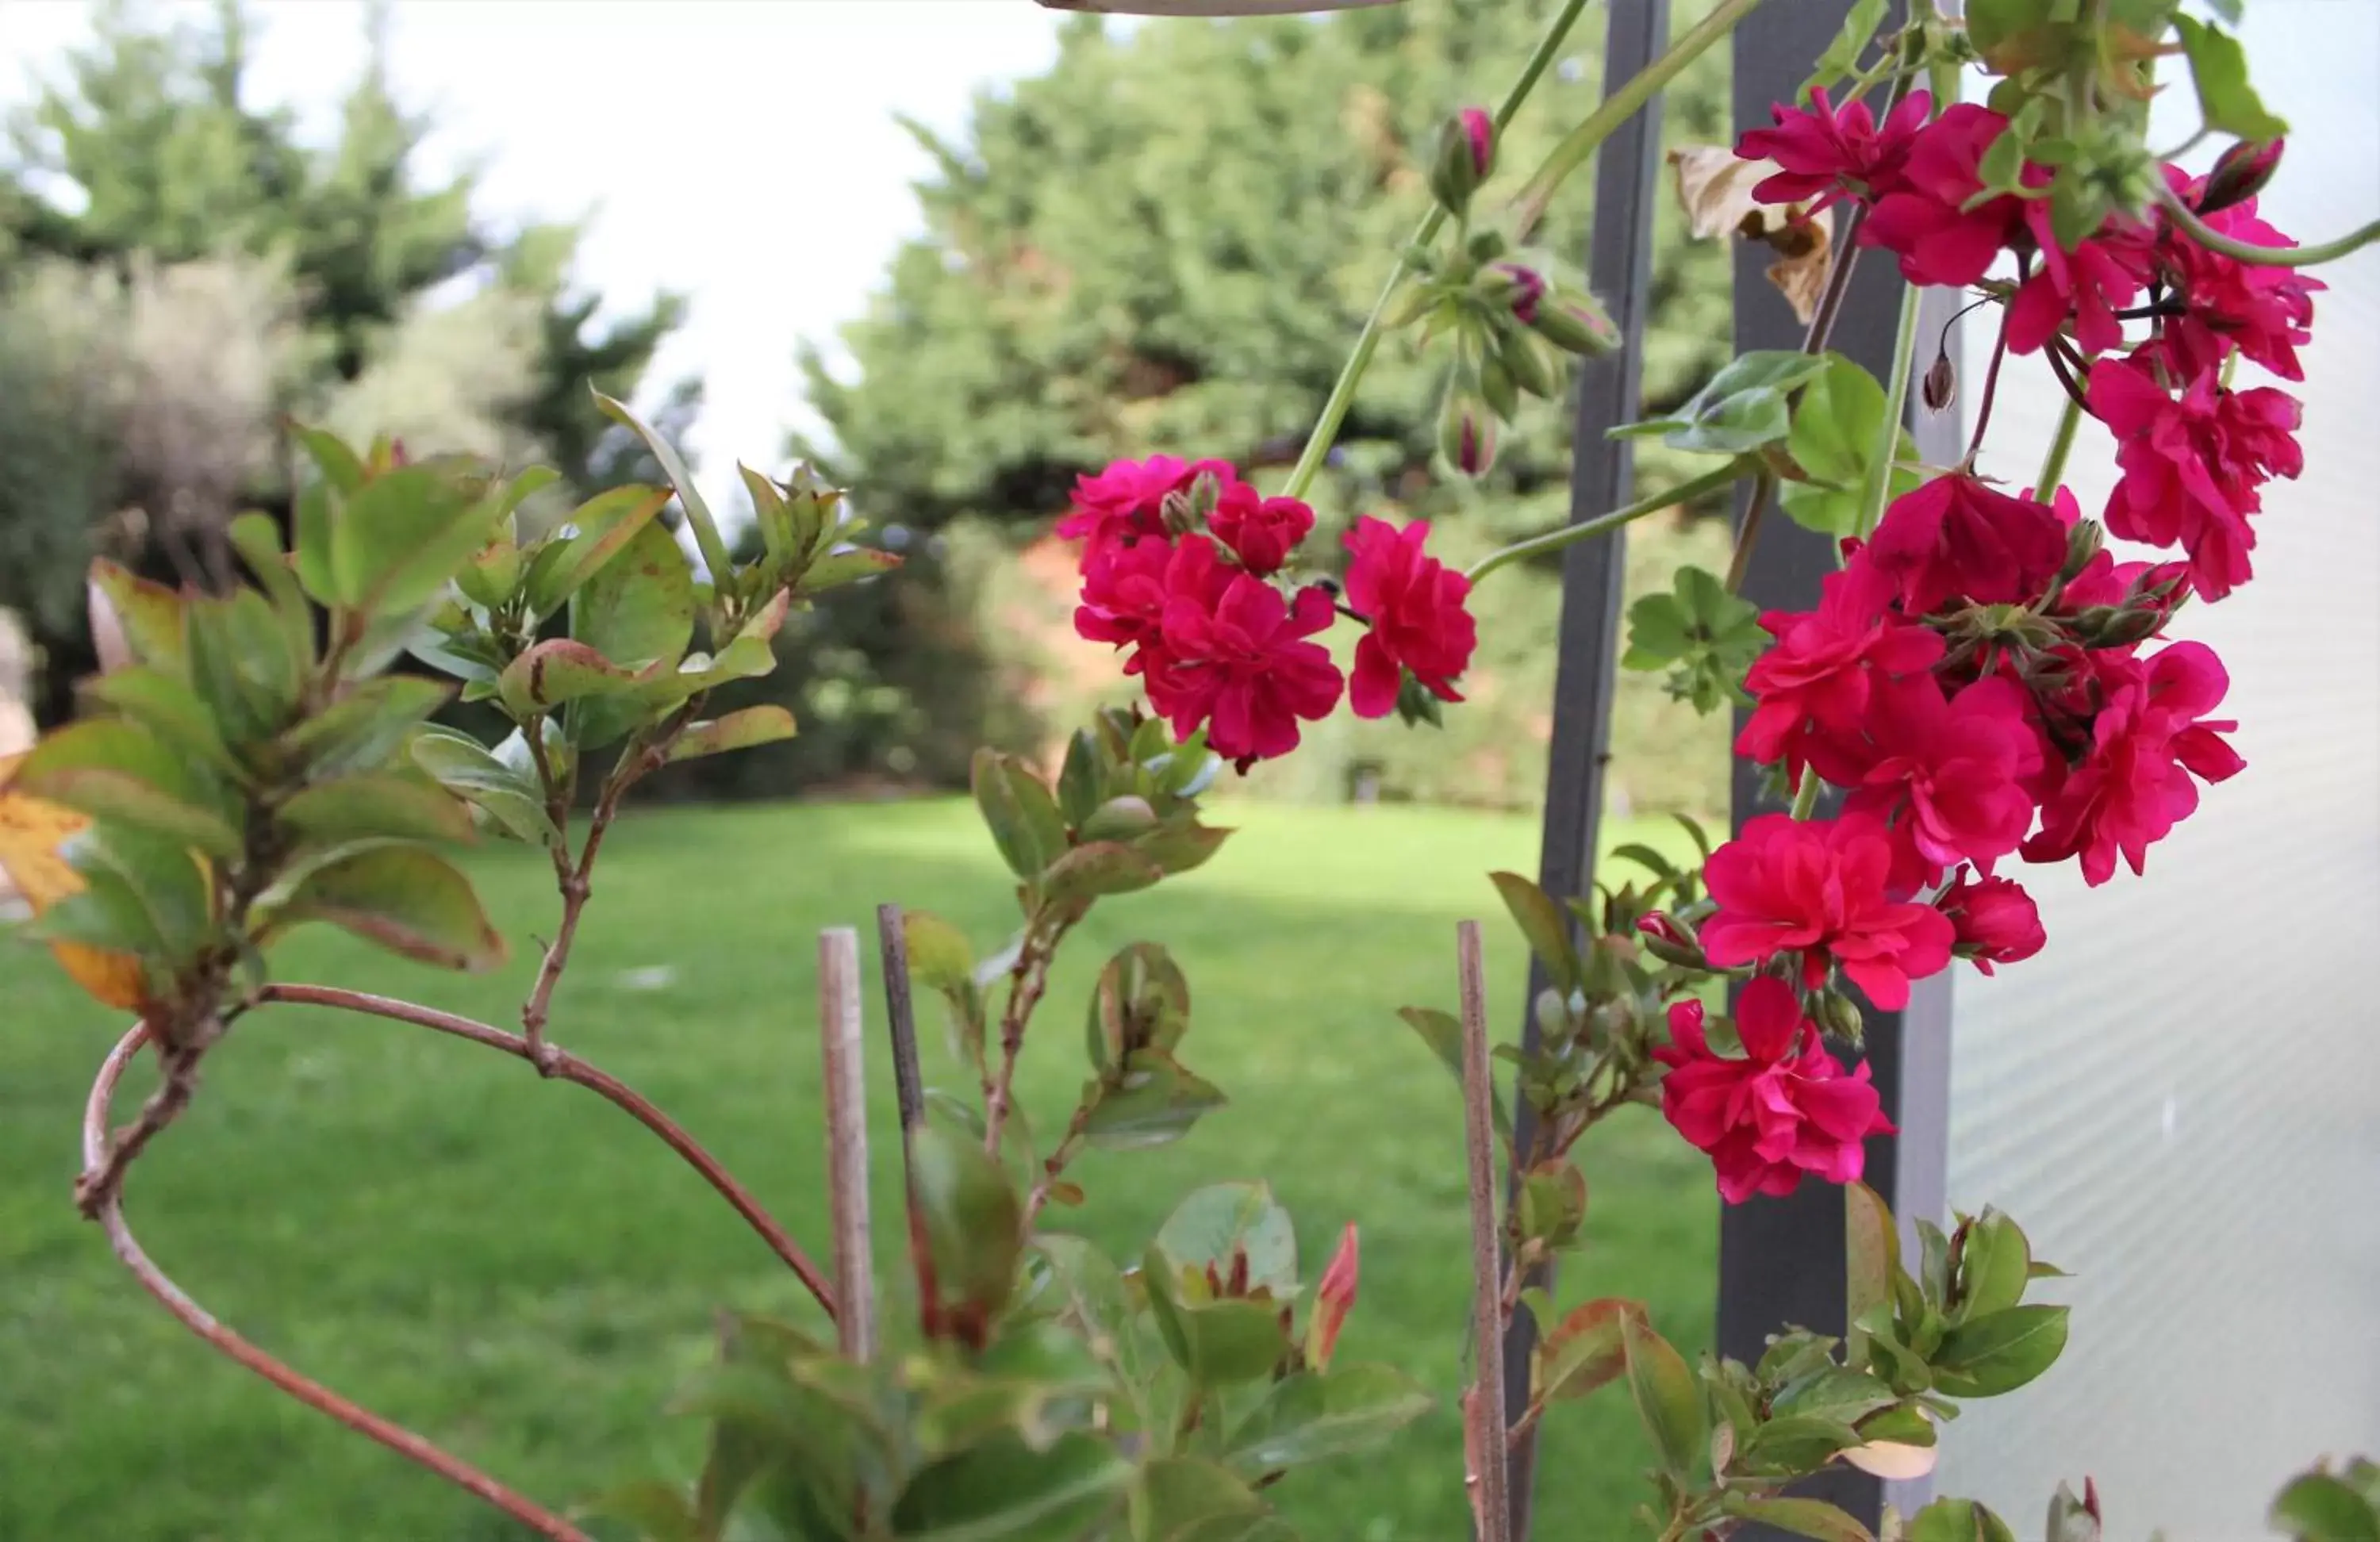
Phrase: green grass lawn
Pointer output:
(518, 1271)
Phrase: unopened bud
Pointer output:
(1839, 1017)
(1466, 153)
(1516, 287)
(2130, 626)
(1574, 323)
(1941, 385)
(1190, 509)
(1670, 940)
(1466, 434)
(1530, 360)
(1497, 384)
(1417, 704)
(2082, 543)
(2239, 173)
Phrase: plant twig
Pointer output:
(1991, 390)
(96, 1147)
(1485, 1406)
(1555, 539)
(1026, 981)
(565, 1066)
(1367, 342)
(840, 1030)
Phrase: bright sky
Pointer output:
(741, 151)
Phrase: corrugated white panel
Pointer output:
(2180, 1099)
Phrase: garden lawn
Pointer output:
(518, 1271)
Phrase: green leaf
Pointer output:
(1020, 813)
(2319, 1507)
(374, 805)
(1842, 56)
(241, 664)
(1995, 1262)
(939, 957)
(601, 528)
(1668, 1399)
(715, 559)
(1176, 1499)
(1079, 782)
(510, 799)
(1552, 1202)
(165, 705)
(1232, 1341)
(339, 465)
(1870, 1251)
(1833, 1393)
(637, 610)
(658, 1512)
(1583, 1352)
(396, 539)
(111, 769)
(1956, 1521)
(973, 1221)
(1097, 1307)
(1543, 923)
(258, 542)
(1311, 1417)
(1005, 1492)
(1813, 1518)
(407, 900)
(1181, 844)
(149, 616)
(556, 672)
(1153, 1101)
(1986, 1356)
(848, 565)
(2218, 68)
(1095, 871)
(1836, 425)
(1794, 1444)
(1443, 1033)
(172, 888)
(1216, 1223)
(738, 730)
(368, 725)
(1142, 1001)
(1744, 407)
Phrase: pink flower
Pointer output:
(1124, 502)
(2191, 466)
(1261, 531)
(1955, 538)
(1125, 587)
(1819, 888)
(2265, 313)
(2087, 286)
(1995, 920)
(1822, 153)
(1812, 686)
(2148, 740)
(1784, 1110)
(1233, 656)
(1415, 605)
(1479, 131)
(1923, 220)
(1949, 775)
(1523, 289)
(1335, 1297)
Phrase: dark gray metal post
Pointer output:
(1620, 267)
(1781, 1262)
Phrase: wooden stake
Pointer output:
(1484, 1408)
(840, 1028)
(901, 1018)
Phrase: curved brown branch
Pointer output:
(396, 1438)
(562, 1066)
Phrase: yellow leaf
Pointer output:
(1715, 188)
(30, 833)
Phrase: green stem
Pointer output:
(1806, 796)
(2263, 256)
(1529, 206)
(1367, 342)
(1554, 540)
(1878, 490)
(2053, 466)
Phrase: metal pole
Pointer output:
(1620, 269)
(1781, 1262)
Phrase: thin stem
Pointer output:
(1367, 342)
(2186, 146)
(1027, 980)
(1748, 535)
(2255, 256)
(2053, 466)
(564, 1066)
(1617, 108)
(1806, 794)
(1489, 1438)
(1068, 1144)
(1991, 389)
(313, 1394)
(1877, 491)
(1554, 540)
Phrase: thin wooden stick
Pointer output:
(901, 1018)
(1483, 1409)
(840, 1030)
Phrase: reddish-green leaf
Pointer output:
(741, 730)
(1668, 1399)
(406, 899)
(559, 671)
(1583, 1352)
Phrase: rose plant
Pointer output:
(1982, 685)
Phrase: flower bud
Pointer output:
(1466, 434)
(1670, 940)
(1497, 384)
(2082, 543)
(1941, 387)
(1333, 1299)
(2239, 173)
(1839, 1017)
(1417, 704)
(1529, 359)
(1574, 323)
(1466, 152)
(1516, 287)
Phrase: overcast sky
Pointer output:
(742, 151)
